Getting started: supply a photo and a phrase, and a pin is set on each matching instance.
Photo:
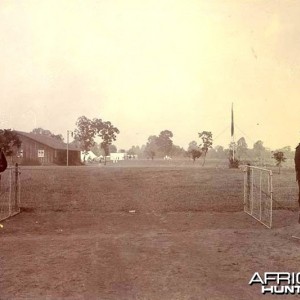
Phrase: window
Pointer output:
(20, 153)
(41, 153)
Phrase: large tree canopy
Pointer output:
(151, 148)
(192, 146)
(85, 133)
(164, 142)
(242, 147)
(107, 132)
(42, 131)
(87, 130)
(280, 158)
(161, 145)
(9, 141)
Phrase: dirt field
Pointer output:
(187, 239)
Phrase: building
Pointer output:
(117, 156)
(39, 149)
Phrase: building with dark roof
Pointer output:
(39, 149)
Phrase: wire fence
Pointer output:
(258, 192)
(10, 192)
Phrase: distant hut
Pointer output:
(39, 149)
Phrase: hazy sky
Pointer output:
(148, 66)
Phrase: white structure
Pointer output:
(88, 157)
(115, 157)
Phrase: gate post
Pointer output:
(16, 204)
(248, 186)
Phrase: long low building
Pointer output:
(39, 149)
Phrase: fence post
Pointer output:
(248, 186)
(16, 186)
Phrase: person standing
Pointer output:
(297, 168)
(3, 161)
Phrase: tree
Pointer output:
(106, 131)
(258, 149)
(136, 150)
(195, 154)
(177, 151)
(85, 133)
(9, 141)
(113, 149)
(207, 141)
(192, 146)
(241, 148)
(164, 142)
(47, 132)
(287, 150)
(220, 151)
(88, 129)
(280, 158)
(151, 146)
(133, 150)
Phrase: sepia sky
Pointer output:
(148, 66)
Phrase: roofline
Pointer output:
(29, 137)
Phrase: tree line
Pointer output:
(87, 131)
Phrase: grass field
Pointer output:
(187, 239)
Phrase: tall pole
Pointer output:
(67, 148)
(232, 131)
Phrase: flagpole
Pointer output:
(67, 148)
(232, 131)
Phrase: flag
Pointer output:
(232, 124)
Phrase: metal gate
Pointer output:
(10, 190)
(258, 194)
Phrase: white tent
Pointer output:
(117, 156)
(88, 156)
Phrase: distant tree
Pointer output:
(9, 141)
(220, 151)
(287, 150)
(164, 142)
(195, 154)
(177, 151)
(122, 151)
(241, 147)
(88, 129)
(192, 146)
(130, 152)
(207, 141)
(258, 149)
(151, 147)
(106, 131)
(142, 150)
(47, 132)
(280, 158)
(136, 150)
(112, 149)
(85, 133)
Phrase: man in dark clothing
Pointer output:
(297, 168)
(3, 161)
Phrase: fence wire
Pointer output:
(258, 191)
(9, 193)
